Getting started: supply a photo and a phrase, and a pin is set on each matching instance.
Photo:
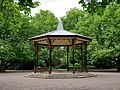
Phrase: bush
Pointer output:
(104, 63)
(77, 65)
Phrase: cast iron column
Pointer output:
(73, 46)
(37, 56)
(85, 57)
(67, 58)
(82, 63)
(50, 69)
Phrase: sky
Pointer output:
(58, 7)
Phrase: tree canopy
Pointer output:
(98, 6)
(17, 25)
(104, 29)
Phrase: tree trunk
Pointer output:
(2, 66)
(118, 64)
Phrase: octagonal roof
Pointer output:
(59, 37)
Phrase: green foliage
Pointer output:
(14, 27)
(41, 63)
(107, 35)
(77, 65)
(6, 50)
(56, 57)
(71, 19)
(96, 6)
(29, 3)
(43, 22)
(25, 5)
(104, 63)
(103, 29)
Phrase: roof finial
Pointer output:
(60, 26)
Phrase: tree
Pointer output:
(43, 22)
(105, 45)
(6, 53)
(8, 27)
(24, 4)
(71, 18)
(98, 6)
(111, 32)
(14, 27)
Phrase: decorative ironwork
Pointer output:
(36, 50)
(73, 46)
(49, 46)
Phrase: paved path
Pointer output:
(18, 81)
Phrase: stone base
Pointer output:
(60, 75)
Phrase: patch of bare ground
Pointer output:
(18, 81)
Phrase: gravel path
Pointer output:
(18, 81)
